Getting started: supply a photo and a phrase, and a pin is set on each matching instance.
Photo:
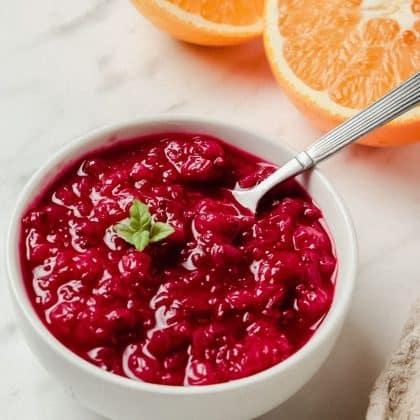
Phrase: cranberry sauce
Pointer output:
(226, 295)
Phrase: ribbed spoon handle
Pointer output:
(389, 107)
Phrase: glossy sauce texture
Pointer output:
(227, 295)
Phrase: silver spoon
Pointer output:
(396, 102)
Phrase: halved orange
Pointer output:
(334, 57)
(206, 22)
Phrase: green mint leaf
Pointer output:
(137, 208)
(141, 239)
(134, 224)
(124, 231)
(145, 221)
(160, 231)
(140, 216)
(139, 229)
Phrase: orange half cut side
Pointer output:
(335, 57)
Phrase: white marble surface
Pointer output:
(69, 66)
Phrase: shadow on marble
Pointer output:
(246, 61)
(398, 165)
(392, 169)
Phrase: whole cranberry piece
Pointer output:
(141, 171)
(278, 267)
(311, 211)
(256, 177)
(311, 301)
(89, 264)
(144, 367)
(40, 252)
(201, 373)
(327, 264)
(165, 341)
(119, 319)
(63, 317)
(224, 254)
(134, 263)
(311, 237)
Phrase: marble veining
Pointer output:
(68, 67)
(96, 12)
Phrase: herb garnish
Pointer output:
(140, 229)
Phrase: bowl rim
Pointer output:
(17, 288)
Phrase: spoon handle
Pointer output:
(396, 102)
(389, 107)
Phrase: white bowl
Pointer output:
(120, 398)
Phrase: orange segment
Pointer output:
(205, 22)
(334, 57)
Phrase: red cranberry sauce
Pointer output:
(227, 295)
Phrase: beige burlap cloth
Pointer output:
(396, 394)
